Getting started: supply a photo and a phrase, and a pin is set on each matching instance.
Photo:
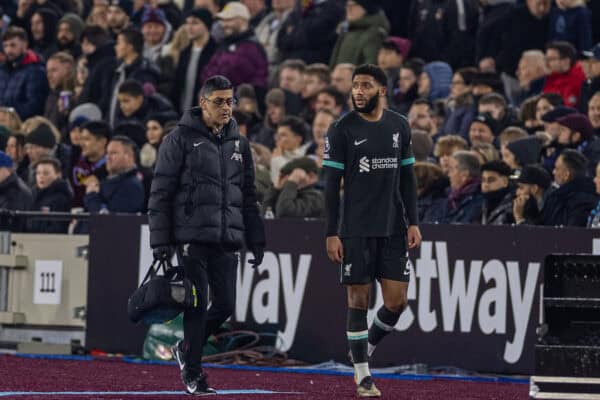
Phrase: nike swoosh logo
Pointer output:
(198, 144)
(359, 142)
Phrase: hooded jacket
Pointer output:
(440, 77)
(570, 204)
(101, 66)
(47, 45)
(203, 188)
(55, 198)
(23, 85)
(359, 41)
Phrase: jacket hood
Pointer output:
(192, 119)
(440, 77)
(50, 19)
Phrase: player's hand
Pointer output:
(335, 249)
(414, 236)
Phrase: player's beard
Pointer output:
(369, 107)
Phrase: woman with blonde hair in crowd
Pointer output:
(10, 119)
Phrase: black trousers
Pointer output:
(209, 268)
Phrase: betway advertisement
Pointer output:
(474, 294)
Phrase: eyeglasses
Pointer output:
(219, 102)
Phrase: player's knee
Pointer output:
(358, 300)
(398, 305)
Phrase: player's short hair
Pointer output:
(214, 83)
(371, 70)
(132, 88)
(467, 161)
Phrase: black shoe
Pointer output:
(178, 355)
(196, 384)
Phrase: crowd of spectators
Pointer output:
(503, 98)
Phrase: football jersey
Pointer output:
(371, 155)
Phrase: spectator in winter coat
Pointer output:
(122, 190)
(294, 194)
(14, 194)
(44, 23)
(118, 15)
(432, 185)
(576, 132)
(60, 70)
(464, 202)
(99, 51)
(435, 81)
(129, 48)
(157, 33)
(50, 194)
(531, 74)
(135, 106)
(591, 67)
(534, 187)
(497, 194)
(308, 33)
(360, 36)
(69, 32)
(566, 74)
(483, 129)
(571, 203)
(594, 112)
(522, 152)
(92, 162)
(268, 29)
(461, 104)
(23, 83)
(571, 21)
(495, 105)
(240, 58)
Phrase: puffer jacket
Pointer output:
(203, 188)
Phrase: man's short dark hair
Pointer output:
(214, 83)
(493, 98)
(98, 129)
(371, 70)
(95, 35)
(53, 161)
(14, 32)
(553, 98)
(575, 162)
(564, 49)
(132, 88)
(294, 63)
(422, 102)
(296, 125)
(415, 65)
(127, 143)
(338, 96)
(467, 161)
(134, 38)
(321, 71)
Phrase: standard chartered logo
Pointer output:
(366, 164)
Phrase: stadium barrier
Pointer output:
(474, 297)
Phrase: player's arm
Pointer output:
(408, 188)
(334, 163)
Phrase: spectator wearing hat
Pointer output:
(497, 193)
(157, 33)
(522, 152)
(193, 59)
(129, 48)
(391, 55)
(575, 198)
(591, 67)
(482, 129)
(69, 32)
(23, 82)
(118, 15)
(291, 133)
(361, 34)
(294, 194)
(15, 148)
(240, 58)
(94, 137)
(268, 30)
(14, 193)
(534, 185)
(39, 143)
(464, 202)
(60, 70)
(566, 75)
(594, 112)
(571, 21)
(461, 104)
(43, 26)
(99, 50)
(578, 133)
(135, 106)
(435, 81)
(122, 190)
(309, 32)
(51, 193)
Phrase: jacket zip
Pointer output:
(223, 183)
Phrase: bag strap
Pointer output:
(151, 272)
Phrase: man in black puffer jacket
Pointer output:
(203, 200)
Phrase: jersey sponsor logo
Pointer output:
(367, 165)
(359, 142)
(363, 165)
(395, 138)
(347, 270)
